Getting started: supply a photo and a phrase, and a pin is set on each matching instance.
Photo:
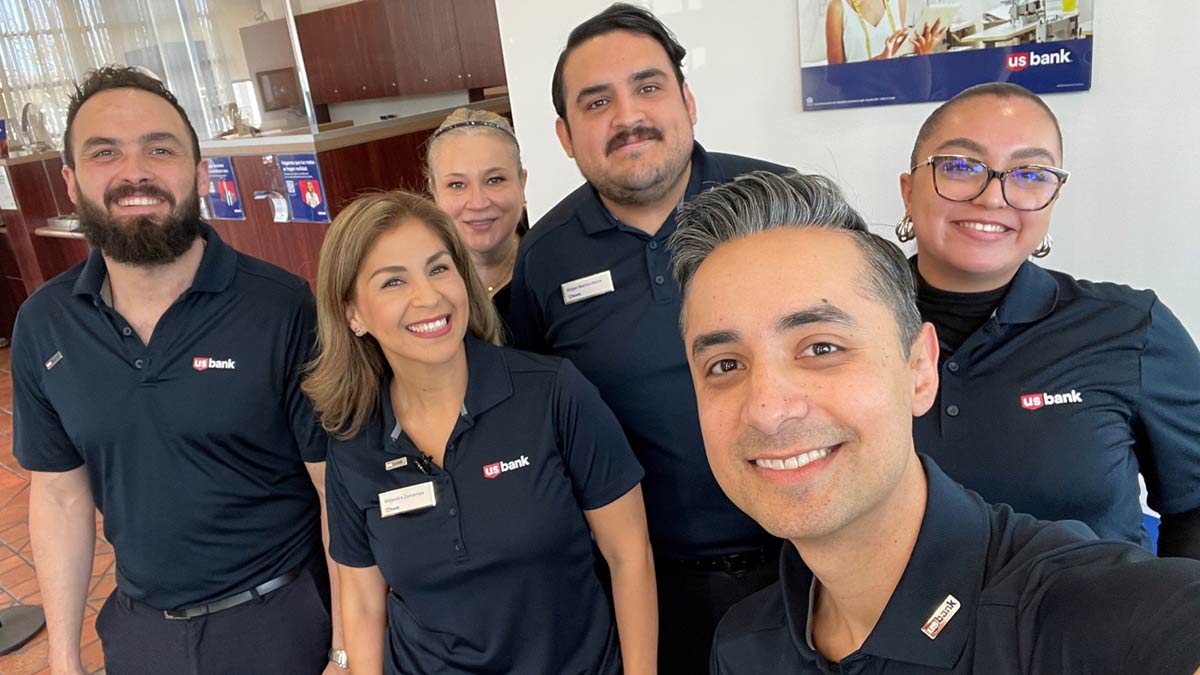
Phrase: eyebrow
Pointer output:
(971, 146)
(144, 139)
(464, 174)
(804, 317)
(639, 76)
(396, 269)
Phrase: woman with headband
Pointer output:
(1055, 393)
(473, 168)
(466, 481)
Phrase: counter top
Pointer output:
(25, 159)
(58, 233)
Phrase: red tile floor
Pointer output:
(18, 585)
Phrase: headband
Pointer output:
(471, 123)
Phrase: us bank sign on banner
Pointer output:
(879, 52)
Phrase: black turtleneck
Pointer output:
(956, 315)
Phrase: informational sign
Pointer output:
(858, 53)
(225, 201)
(305, 192)
(8, 201)
(3, 137)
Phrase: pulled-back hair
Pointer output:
(345, 375)
(110, 77)
(761, 201)
(618, 16)
(468, 121)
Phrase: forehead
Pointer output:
(611, 58)
(1000, 124)
(755, 280)
(409, 239)
(477, 149)
(126, 112)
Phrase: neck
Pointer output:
(418, 387)
(495, 267)
(649, 218)
(858, 567)
(944, 278)
(147, 285)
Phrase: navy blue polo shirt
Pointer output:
(1028, 596)
(498, 576)
(627, 343)
(1070, 389)
(195, 444)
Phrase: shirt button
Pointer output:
(126, 331)
(952, 366)
(453, 512)
(952, 410)
(653, 245)
(138, 364)
(659, 279)
(458, 548)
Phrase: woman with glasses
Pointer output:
(1055, 392)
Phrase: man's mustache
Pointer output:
(634, 134)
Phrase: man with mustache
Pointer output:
(810, 361)
(592, 283)
(158, 381)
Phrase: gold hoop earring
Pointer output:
(1043, 248)
(905, 231)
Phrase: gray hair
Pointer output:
(761, 201)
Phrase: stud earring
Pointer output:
(359, 332)
(904, 230)
(1043, 248)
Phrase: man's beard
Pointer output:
(141, 240)
(651, 183)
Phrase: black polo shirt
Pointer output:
(1029, 596)
(627, 343)
(1070, 389)
(498, 576)
(194, 444)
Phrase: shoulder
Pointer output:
(54, 291)
(1117, 297)
(724, 167)
(263, 278)
(559, 219)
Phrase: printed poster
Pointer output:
(305, 192)
(225, 201)
(856, 53)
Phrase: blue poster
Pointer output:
(305, 192)
(866, 53)
(224, 199)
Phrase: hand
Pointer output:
(929, 37)
(893, 43)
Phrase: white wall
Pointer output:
(1132, 142)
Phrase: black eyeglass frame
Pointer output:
(1062, 175)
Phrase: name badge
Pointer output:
(398, 463)
(587, 287)
(406, 499)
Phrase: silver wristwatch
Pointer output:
(338, 658)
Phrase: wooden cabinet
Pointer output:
(385, 48)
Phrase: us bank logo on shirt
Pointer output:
(1035, 401)
(202, 363)
(940, 617)
(494, 470)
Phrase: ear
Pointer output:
(564, 137)
(202, 177)
(923, 360)
(689, 102)
(68, 176)
(352, 317)
(906, 190)
(524, 177)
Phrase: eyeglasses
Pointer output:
(1025, 188)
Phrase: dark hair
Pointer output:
(618, 16)
(997, 89)
(120, 77)
(761, 201)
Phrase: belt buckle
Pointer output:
(185, 614)
(174, 615)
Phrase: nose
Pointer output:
(476, 198)
(134, 168)
(992, 196)
(627, 112)
(423, 292)
(773, 399)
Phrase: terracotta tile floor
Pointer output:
(17, 582)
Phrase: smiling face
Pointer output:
(805, 396)
(410, 297)
(476, 179)
(629, 122)
(135, 180)
(978, 245)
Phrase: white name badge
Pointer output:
(587, 287)
(405, 499)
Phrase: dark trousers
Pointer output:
(285, 632)
(692, 602)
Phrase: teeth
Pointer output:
(795, 462)
(430, 326)
(139, 201)
(983, 227)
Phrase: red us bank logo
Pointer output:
(202, 363)
(497, 468)
(1018, 61)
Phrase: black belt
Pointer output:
(233, 600)
(732, 563)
